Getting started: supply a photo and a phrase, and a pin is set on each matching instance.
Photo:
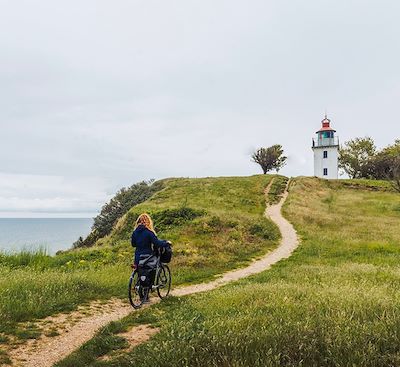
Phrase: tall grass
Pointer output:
(335, 302)
(216, 224)
(227, 230)
(37, 258)
(277, 189)
(26, 295)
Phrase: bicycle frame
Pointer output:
(161, 280)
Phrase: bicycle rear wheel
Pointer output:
(135, 291)
(163, 281)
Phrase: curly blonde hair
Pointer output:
(145, 220)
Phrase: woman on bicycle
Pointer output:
(145, 239)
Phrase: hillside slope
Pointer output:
(216, 224)
(335, 302)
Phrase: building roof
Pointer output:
(326, 125)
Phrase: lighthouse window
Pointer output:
(325, 154)
(325, 171)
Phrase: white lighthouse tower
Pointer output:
(326, 151)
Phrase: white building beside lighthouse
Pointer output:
(326, 151)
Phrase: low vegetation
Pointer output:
(335, 302)
(215, 224)
(34, 285)
(277, 189)
(210, 222)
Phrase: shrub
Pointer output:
(265, 230)
(174, 217)
(119, 205)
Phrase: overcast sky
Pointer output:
(96, 95)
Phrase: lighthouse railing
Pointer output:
(325, 142)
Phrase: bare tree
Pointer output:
(270, 158)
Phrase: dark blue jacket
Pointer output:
(143, 239)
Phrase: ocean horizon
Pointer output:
(51, 234)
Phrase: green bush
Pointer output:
(165, 219)
(119, 205)
(264, 230)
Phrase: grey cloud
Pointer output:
(112, 93)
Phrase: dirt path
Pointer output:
(78, 327)
(288, 243)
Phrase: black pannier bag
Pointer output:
(146, 268)
(166, 254)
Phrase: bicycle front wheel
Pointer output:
(135, 291)
(163, 281)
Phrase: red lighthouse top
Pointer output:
(326, 125)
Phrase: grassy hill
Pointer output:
(215, 224)
(335, 302)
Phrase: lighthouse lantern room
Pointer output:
(326, 151)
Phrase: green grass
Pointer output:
(226, 228)
(215, 224)
(374, 185)
(34, 285)
(335, 302)
(277, 189)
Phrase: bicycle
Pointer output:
(138, 290)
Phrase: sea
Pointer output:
(52, 234)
